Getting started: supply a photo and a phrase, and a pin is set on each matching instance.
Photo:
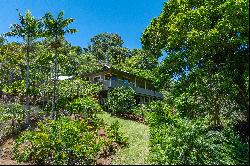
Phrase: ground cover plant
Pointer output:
(137, 136)
(177, 140)
(11, 117)
(196, 53)
(66, 141)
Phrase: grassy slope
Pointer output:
(137, 150)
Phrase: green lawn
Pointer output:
(138, 138)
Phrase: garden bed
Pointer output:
(64, 141)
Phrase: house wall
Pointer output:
(138, 82)
(141, 86)
(101, 74)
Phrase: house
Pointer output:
(110, 77)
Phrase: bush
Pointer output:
(140, 110)
(64, 141)
(114, 135)
(17, 87)
(160, 114)
(69, 90)
(11, 119)
(10, 111)
(86, 106)
(174, 140)
(121, 100)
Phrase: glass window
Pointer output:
(97, 79)
(114, 78)
(141, 99)
(107, 77)
(125, 80)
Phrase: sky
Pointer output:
(128, 18)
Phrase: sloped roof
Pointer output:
(107, 67)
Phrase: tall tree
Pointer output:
(143, 59)
(56, 28)
(107, 48)
(204, 39)
(29, 29)
(2, 40)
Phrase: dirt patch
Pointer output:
(108, 154)
(6, 153)
(133, 117)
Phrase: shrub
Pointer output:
(10, 111)
(121, 100)
(64, 141)
(69, 90)
(59, 141)
(160, 114)
(86, 106)
(140, 110)
(16, 87)
(11, 119)
(114, 135)
(174, 140)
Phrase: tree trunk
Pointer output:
(43, 93)
(54, 84)
(27, 104)
(217, 107)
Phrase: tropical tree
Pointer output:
(107, 48)
(207, 49)
(142, 59)
(56, 28)
(12, 70)
(87, 64)
(29, 30)
(118, 55)
(2, 40)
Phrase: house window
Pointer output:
(113, 78)
(125, 80)
(107, 77)
(97, 79)
(141, 99)
(137, 98)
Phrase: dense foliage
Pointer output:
(176, 140)
(121, 100)
(107, 48)
(207, 52)
(205, 78)
(12, 119)
(65, 141)
(11, 111)
(69, 90)
(86, 106)
(87, 64)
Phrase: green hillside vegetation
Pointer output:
(203, 118)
